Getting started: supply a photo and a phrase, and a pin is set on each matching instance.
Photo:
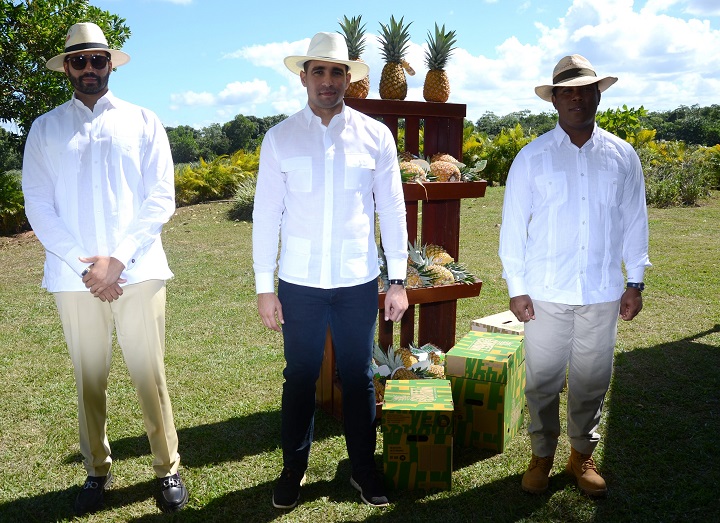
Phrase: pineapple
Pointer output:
(445, 171)
(408, 358)
(444, 157)
(406, 156)
(379, 383)
(354, 34)
(416, 255)
(411, 171)
(401, 373)
(440, 47)
(394, 38)
(436, 371)
(417, 277)
(436, 254)
(440, 275)
(460, 273)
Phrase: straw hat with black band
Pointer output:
(573, 70)
(86, 36)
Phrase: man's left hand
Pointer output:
(630, 304)
(104, 274)
(396, 303)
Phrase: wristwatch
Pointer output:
(397, 282)
(639, 286)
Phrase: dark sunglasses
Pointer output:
(97, 61)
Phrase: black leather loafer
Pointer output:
(172, 494)
(91, 496)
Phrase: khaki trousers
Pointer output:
(580, 339)
(138, 318)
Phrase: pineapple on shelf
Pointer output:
(394, 38)
(437, 254)
(444, 171)
(440, 275)
(414, 170)
(354, 33)
(440, 47)
(460, 273)
(417, 277)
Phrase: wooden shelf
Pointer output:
(437, 294)
(431, 191)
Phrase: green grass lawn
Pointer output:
(660, 424)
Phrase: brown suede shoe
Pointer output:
(536, 477)
(582, 466)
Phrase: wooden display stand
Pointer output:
(440, 211)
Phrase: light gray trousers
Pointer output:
(581, 339)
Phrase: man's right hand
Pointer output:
(522, 308)
(270, 310)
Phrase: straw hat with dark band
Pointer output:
(86, 36)
(328, 47)
(574, 70)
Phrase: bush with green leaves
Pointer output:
(500, 151)
(243, 201)
(676, 174)
(214, 180)
(12, 203)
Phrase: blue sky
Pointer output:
(198, 62)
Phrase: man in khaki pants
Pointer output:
(98, 180)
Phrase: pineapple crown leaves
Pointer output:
(440, 47)
(354, 33)
(460, 272)
(394, 39)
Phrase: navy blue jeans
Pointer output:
(351, 313)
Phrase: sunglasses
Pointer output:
(97, 61)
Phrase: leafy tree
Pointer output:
(213, 142)
(10, 157)
(241, 131)
(183, 144)
(31, 33)
(623, 122)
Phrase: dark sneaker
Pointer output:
(371, 488)
(172, 494)
(91, 497)
(287, 489)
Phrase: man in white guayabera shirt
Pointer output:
(98, 181)
(574, 214)
(324, 173)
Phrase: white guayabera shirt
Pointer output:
(571, 218)
(319, 188)
(99, 182)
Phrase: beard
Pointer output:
(100, 84)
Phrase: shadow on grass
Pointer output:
(663, 424)
(228, 440)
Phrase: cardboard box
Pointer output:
(504, 322)
(487, 376)
(417, 428)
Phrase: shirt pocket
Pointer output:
(552, 188)
(296, 260)
(359, 168)
(354, 259)
(608, 188)
(298, 171)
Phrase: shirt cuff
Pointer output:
(264, 282)
(73, 260)
(397, 269)
(516, 287)
(636, 275)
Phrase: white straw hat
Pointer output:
(86, 36)
(573, 71)
(329, 47)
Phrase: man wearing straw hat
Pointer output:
(98, 180)
(574, 214)
(324, 172)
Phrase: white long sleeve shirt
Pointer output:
(318, 188)
(99, 182)
(572, 217)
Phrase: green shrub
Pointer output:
(12, 203)
(675, 174)
(214, 180)
(243, 201)
(501, 151)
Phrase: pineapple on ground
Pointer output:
(440, 47)
(379, 383)
(408, 358)
(354, 33)
(394, 39)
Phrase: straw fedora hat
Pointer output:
(573, 70)
(86, 36)
(328, 47)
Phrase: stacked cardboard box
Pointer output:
(417, 429)
(487, 375)
(502, 322)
